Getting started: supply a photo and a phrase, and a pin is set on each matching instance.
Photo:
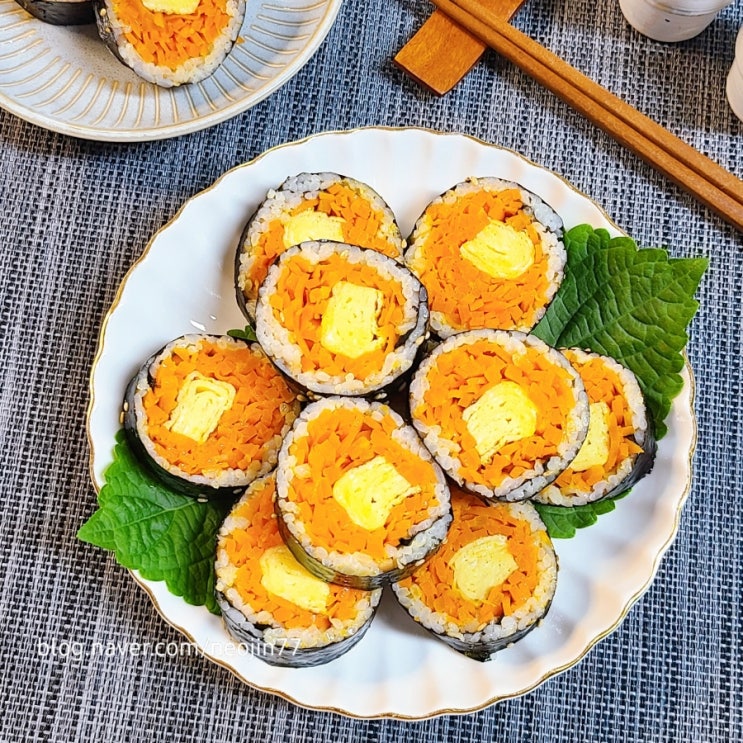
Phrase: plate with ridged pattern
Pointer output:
(63, 78)
(184, 283)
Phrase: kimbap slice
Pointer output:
(170, 42)
(490, 254)
(285, 615)
(620, 446)
(208, 414)
(311, 206)
(339, 319)
(501, 411)
(490, 583)
(360, 500)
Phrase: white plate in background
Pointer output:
(64, 78)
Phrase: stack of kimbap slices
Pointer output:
(340, 487)
(311, 206)
(512, 420)
(165, 42)
(355, 503)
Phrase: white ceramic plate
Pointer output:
(183, 283)
(63, 78)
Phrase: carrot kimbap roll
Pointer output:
(502, 412)
(339, 319)
(490, 255)
(208, 414)
(620, 446)
(311, 206)
(286, 615)
(491, 582)
(360, 500)
(170, 42)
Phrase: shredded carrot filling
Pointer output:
(362, 225)
(262, 406)
(603, 385)
(434, 582)
(337, 441)
(171, 39)
(301, 300)
(466, 296)
(246, 545)
(462, 375)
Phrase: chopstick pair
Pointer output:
(710, 183)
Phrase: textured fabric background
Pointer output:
(77, 214)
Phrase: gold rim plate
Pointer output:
(183, 283)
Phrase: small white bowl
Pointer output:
(671, 20)
(734, 86)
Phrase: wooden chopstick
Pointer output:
(710, 183)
